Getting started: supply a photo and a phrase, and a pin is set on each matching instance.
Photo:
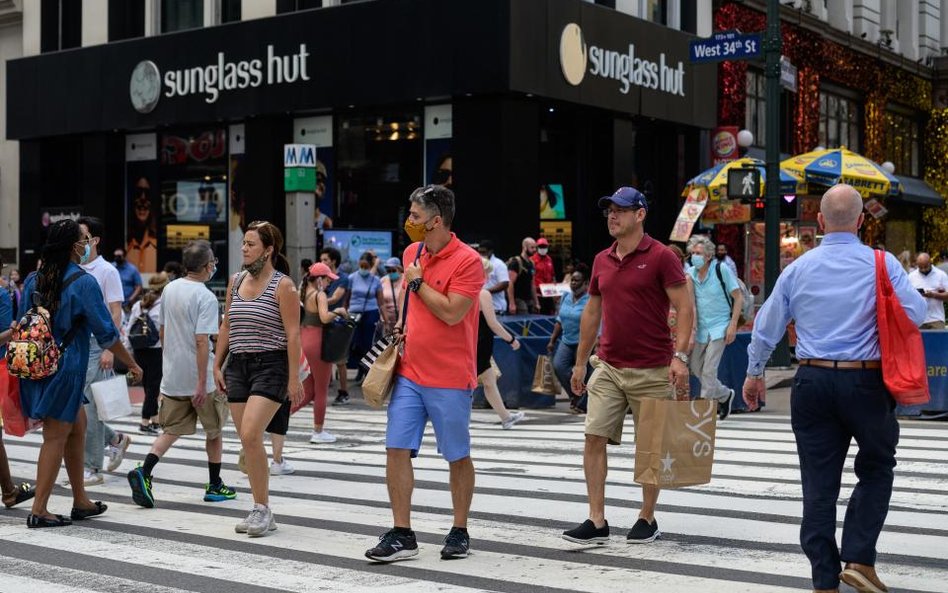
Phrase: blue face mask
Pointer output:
(363, 273)
(393, 276)
(86, 253)
(213, 271)
(697, 261)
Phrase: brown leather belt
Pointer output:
(841, 364)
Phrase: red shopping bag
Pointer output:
(14, 422)
(900, 341)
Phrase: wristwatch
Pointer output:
(415, 284)
(682, 356)
(756, 377)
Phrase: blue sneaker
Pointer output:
(141, 488)
(219, 492)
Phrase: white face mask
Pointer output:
(543, 250)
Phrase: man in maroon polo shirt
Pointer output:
(630, 290)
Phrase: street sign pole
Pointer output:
(772, 47)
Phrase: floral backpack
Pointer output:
(33, 352)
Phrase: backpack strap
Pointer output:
(67, 339)
(727, 295)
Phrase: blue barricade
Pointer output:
(516, 368)
(936, 357)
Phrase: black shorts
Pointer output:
(280, 423)
(257, 373)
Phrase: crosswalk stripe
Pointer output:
(738, 533)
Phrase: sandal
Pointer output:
(22, 493)
(78, 514)
(37, 521)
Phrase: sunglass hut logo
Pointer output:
(147, 84)
(625, 67)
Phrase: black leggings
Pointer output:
(150, 361)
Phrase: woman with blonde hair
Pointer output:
(261, 333)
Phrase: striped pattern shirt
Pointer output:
(256, 324)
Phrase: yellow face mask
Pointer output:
(416, 231)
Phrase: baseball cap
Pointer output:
(393, 262)
(321, 269)
(625, 197)
(542, 242)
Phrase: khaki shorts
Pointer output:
(612, 391)
(178, 417)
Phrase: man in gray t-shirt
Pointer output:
(189, 317)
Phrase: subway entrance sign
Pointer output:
(727, 45)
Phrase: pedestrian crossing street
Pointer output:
(737, 534)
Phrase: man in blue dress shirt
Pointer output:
(838, 393)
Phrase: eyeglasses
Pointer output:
(606, 212)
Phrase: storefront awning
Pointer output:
(917, 191)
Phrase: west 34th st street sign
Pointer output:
(727, 45)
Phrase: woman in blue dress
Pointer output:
(57, 400)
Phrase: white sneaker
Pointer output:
(259, 521)
(281, 469)
(92, 478)
(117, 452)
(322, 437)
(512, 419)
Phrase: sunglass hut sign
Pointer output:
(148, 85)
(624, 66)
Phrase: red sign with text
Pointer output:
(724, 144)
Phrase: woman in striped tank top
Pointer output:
(261, 331)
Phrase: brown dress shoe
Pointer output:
(862, 578)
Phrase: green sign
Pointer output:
(299, 179)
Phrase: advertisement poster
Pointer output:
(552, 202)
(142, 206)
(439, 165)
(690, 213)
(724, 144)
(352, 243)
(560, 235)
(726, 212)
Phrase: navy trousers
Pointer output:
(828, 409)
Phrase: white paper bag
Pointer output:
(111, 398)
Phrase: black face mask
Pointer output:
(720, 256)
(119, 260)
(925, 272)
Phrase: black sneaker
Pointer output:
(724, 406)
(148, 429)
(643, 532)
(342, 399)
(457, 544)
(394, 546)
(588, 533)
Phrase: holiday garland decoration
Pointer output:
(818, 59)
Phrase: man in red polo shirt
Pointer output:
(436, 374)
(632, 284)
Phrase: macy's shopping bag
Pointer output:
(380, 377)
(111, 398)
(900, 343)
(544, 379)
(11, 410)
(674, 442)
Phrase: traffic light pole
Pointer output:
(772, 47)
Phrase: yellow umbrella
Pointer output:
(830, 166)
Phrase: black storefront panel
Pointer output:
(589, 54)
(371, 53)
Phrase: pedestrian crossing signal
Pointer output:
(743, 185)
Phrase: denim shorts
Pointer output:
(257, 373)
(449, 410)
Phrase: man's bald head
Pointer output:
(840, 209)
(923, 262)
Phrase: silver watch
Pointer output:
(682, 356)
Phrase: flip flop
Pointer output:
(23, 492)
(78, 514)
(38, 521)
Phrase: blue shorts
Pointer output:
(412, 405)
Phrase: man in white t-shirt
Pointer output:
(933, 284)
(499, 278)
(100, 435)
(189, 317)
